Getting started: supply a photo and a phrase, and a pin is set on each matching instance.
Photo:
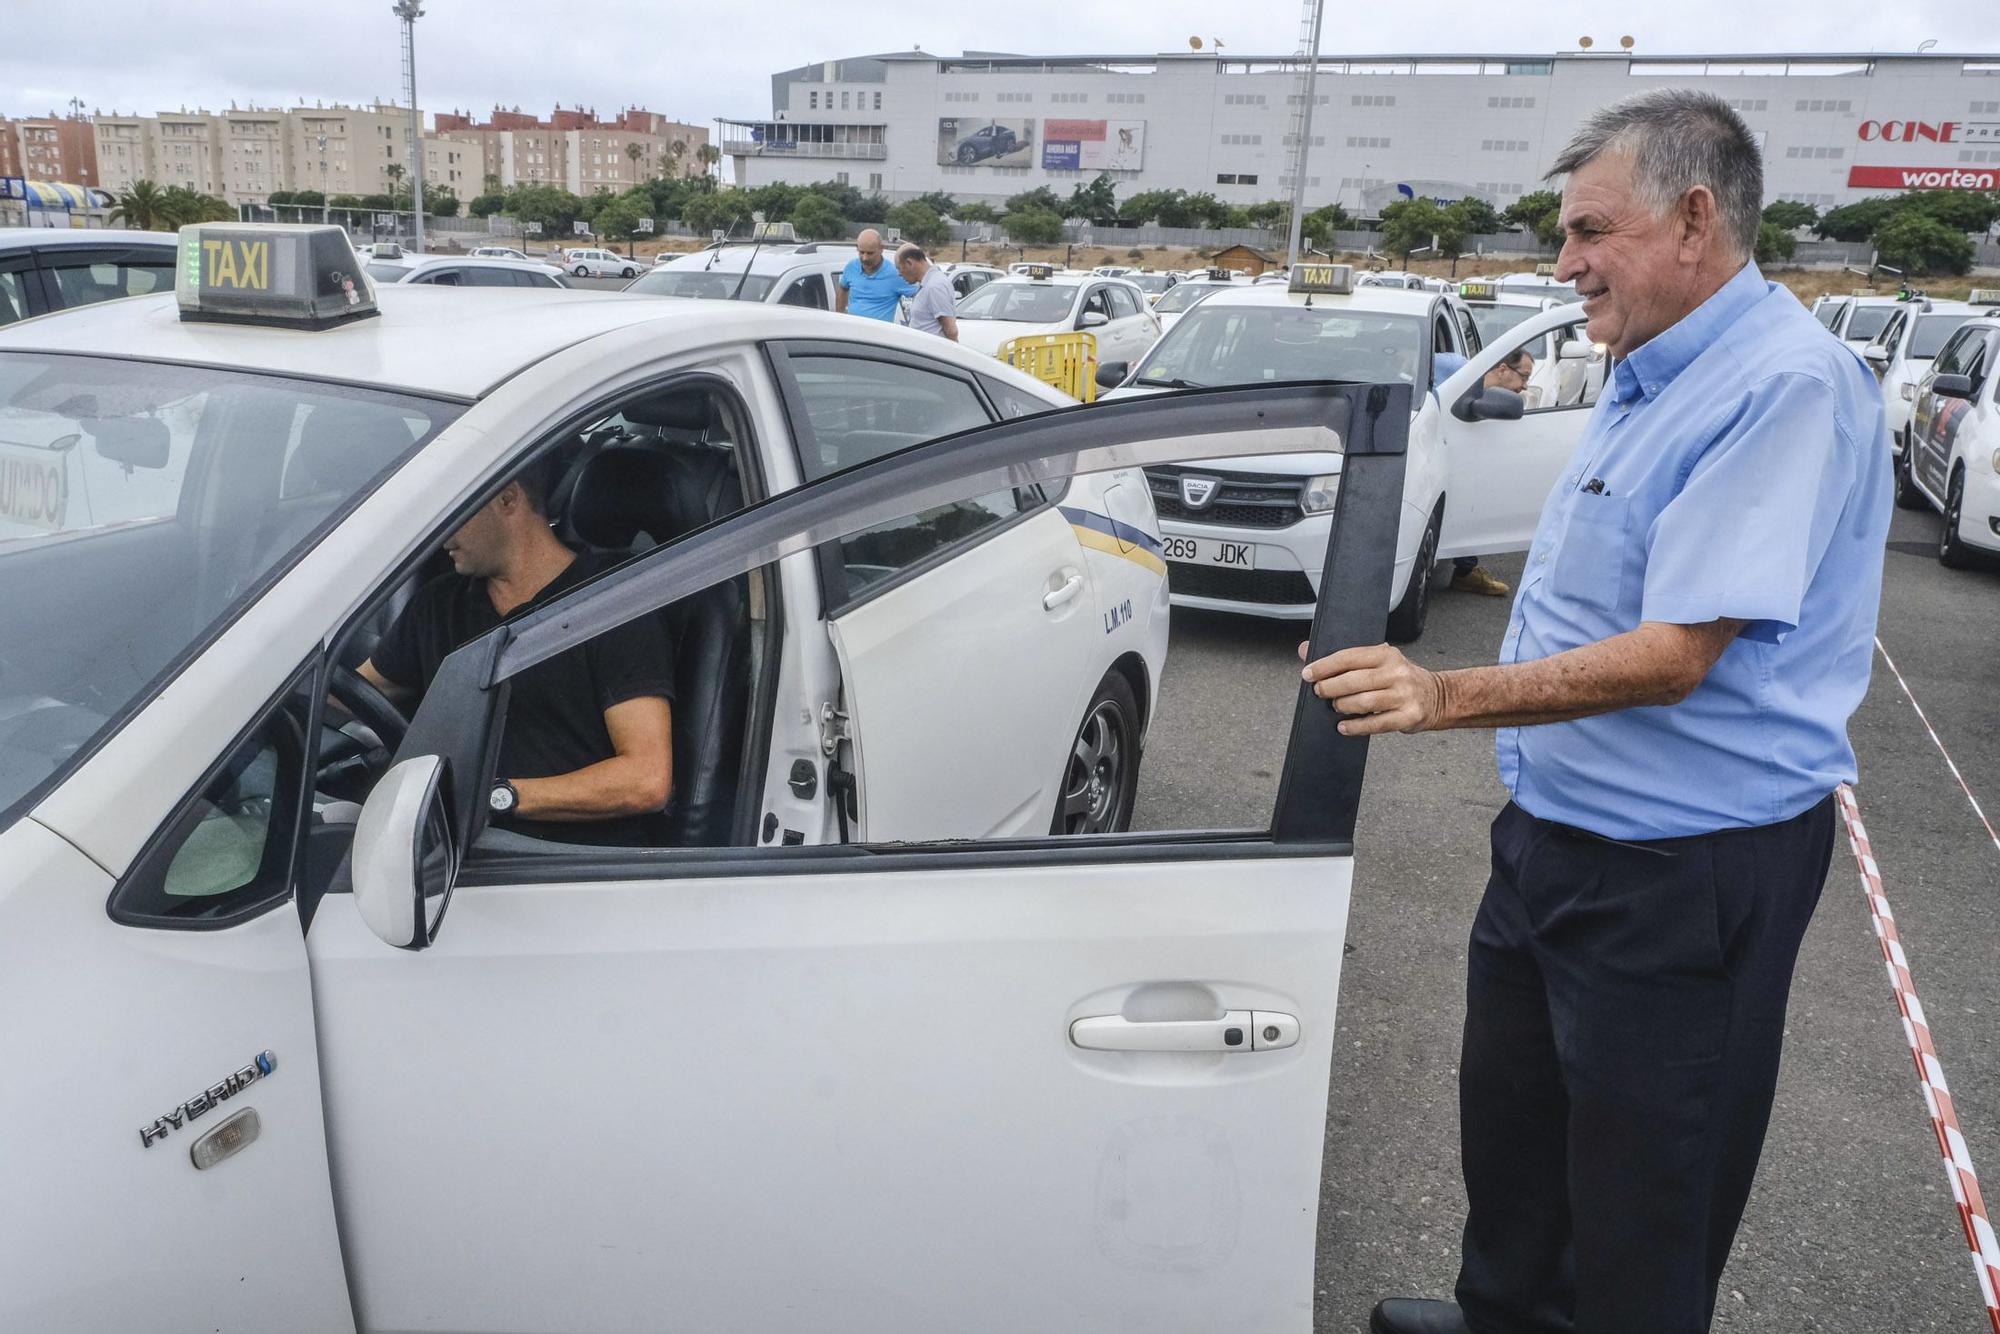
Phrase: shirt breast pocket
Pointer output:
(1592, 562)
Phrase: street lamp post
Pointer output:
(1305, 138)
(409, 11)
(323, 214)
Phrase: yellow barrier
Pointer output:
(1068, 361)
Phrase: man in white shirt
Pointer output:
(934, 306)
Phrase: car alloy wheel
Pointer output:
(1952, 552)
(583, 271)
(1906, 493)
(1101, 775)
(1406, 622)
(628, 273)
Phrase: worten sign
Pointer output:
(1925, 178)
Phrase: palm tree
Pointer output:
(140, 207)
(710, 155)
(394, 171)
(634, 152)
(492, 183)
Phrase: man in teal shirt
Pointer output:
(868, 286)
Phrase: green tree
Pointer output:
(142, 207)
(1041, 197)
(485, 206)
(617, 220)
(1270, 214)
(1774, 242)
(818, 218)
(1961, 210)
(1790, 214)
(1857, 221)
(1207, 210)
(1412, 224)
(1538, 212)
(728, 209)
(555, 208)
(940, 203)
(1233, 216)
(1034, 226)
(1480, 217)
(380, 203)
(1918, 244)
(345, 201)
(440, 201)
(872, 208)
(280, 197)
(180, 206)
(976, 213)
(776, 200)
(308, 198)
(709, 156)
(918, 223)
(1320, 225)
(490, 183)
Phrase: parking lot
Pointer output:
(1852, 1225)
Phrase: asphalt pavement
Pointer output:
(1851, 1227)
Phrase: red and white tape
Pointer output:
(1930, 1072)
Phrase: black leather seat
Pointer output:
(630, 498)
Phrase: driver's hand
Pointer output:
(1378, 688)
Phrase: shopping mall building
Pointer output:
(983, 125)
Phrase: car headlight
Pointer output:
(1909, 391)
(1319, 493)
(1996, 460)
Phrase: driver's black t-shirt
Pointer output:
(555, 710)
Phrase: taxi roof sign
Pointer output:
(1479, 290)
(1983, 296)
(290, 275)
(1545, 270)
(1039, 271)
(1331, 279)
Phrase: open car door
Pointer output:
(1036, 1083)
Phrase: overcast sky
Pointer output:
(697, 62)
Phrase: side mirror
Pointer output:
(136, 442)
(1575, 349)
(1111, 374)
(1486, 403)
(1091, 319)
(403, 860)
(1875, 355)
(1951, 386)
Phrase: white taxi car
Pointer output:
(464, 271)
(1177, 300)
(589, 262)
(1901, 354)
(43, 269)
(499, 252)
(1952, 461)
(294, 1091)
(1251, 539)
(783, 273)
(1861, 318)
(1042, 301)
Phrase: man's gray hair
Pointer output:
(1679, 138)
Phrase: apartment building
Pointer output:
(125, 147)
(576, 150)
(10, 147)
(256, 155)
(187, 151)
(54, 148)
(343, 150)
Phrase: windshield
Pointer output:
(1930, 334)
(1492, 321)
(387, 273)
(703, 284)
(1866, 322)
(1228, 344)
(1829, 314)
(1152, 284)
(140, 506)
(1028, 303)
(1184, 295)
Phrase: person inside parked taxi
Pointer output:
(586, 752)
(1467, 575)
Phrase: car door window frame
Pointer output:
(837, 595)
(1320, 788)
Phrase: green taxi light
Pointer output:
(1472, 291)
(290, 275)
(1330, 279)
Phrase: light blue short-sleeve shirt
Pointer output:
(1737, 466)
(874, 295)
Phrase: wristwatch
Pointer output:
(503, 798)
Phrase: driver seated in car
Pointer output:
(586, 750)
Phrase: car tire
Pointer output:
(1406, 622)
(1906, 493)
(581, 271)
(628, 272)
(967, 155)
(1953, 554)
(1100, 775)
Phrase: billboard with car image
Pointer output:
(965, 142)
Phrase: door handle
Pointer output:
(1236, 1030)
(1070, 588)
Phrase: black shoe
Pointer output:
(1417, 1315)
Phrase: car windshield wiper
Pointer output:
(1170, 384)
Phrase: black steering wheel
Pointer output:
(368, 705)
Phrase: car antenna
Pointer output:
(756, 222)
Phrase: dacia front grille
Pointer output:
(1243, 500)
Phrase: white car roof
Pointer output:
(779, 258)
(422, 262)
(38, 238)
(1394, 300)
(459, 342)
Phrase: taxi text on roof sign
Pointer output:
(1473, 291)
(1040, 271)
(293, 276)
(1328, 278)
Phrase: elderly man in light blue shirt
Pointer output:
(1691, 634)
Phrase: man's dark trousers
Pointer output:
(1625, 1007)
